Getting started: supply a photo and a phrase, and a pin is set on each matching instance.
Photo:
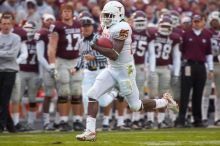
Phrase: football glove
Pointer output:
(53, 71)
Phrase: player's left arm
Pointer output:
(176, 60)
(111, 53)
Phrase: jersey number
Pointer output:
(70, 38)
(162, 50)
(140, 47)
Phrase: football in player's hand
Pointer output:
(104, 42)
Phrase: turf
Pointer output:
(167, 137)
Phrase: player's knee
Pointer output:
(137, 106)
(76, 99)
(64, 90)
(92, 93)
(62, 99)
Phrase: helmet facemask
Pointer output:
(140, 24)
(165, 29)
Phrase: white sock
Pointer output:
(64, 118)
(172, 115)
(57, 118)
(105, 120)
(150, 116)
(46, 118)
(161, 103)
(205, 107)
(120, 121)
(91, 124)
(31, 117)
(135, 116)
(15, 117)
(160, 117)
(77, 118)
(217, 108)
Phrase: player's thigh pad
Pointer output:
(15, 95)
(104, 82)
(140, 79)
(48, 82)
(164, 79)
(63, 76)
(153, 83)
(76, 84)
(33, 86)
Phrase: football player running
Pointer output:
(42, 38)
(214, 27)
(163, 50)
(120, 72)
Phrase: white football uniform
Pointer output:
(120, 73)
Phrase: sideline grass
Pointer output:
(169, 137)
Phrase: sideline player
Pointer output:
(63, 54)
(42, 38)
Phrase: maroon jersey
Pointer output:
(139, 46)
(31, 63)
(164, 47)
(68, 38)
(178, 30)
(195, 48)
(43, 35)
(215, 43)
(20, 32)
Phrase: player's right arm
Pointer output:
(52, 47)
(111, 53)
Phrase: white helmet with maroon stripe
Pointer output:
(139, 20)
(31, 28)
(165, 26)
(215, 15)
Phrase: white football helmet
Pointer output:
(30, 27)
(139, 20)
(165, 26)
(215, 15)
(112, 13)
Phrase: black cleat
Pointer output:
(64, 127)
(149, 125)
(78, 126)
(20, 127)
(49, 127)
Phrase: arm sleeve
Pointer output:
(209, 60)
(176, 60)
(12, 52)
(40, 55)
(23, 53)
(152, 56)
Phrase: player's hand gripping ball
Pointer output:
(104, 42)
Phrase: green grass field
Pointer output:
(167, 137)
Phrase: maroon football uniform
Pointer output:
(164, 47)
(178, 30)
(21, 32)
(139, 45)
(68, 38)
(196, 48)
(31, 63)
(215, 43)
(43, 35)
